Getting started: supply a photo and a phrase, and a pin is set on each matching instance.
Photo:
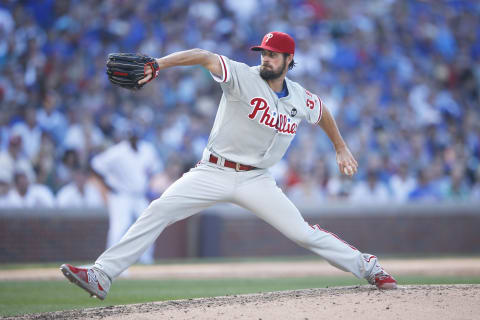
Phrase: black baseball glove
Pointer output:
(126, 69)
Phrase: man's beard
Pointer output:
(270, 74)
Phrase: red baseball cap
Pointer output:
(278, 42)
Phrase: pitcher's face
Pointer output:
(273, 65)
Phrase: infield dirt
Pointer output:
(363, 302)
(360, 302)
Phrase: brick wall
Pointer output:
(408, 229)
(43, 239)
(54, 236)
(459, 234)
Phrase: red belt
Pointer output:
(231, 164)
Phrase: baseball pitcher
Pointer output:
(257, 118)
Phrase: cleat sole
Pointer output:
(388, 286)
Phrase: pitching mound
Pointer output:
(360, 302)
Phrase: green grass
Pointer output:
(21, 297)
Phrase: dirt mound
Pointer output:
(361, 302)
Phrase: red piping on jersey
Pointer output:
(321, 111)
(333, 234)
(224, 69)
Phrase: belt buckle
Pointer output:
(237, 166)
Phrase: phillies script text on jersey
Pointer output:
(280, 123)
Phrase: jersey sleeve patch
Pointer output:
(225, 70)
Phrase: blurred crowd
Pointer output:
(402, 78)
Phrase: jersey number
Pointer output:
(310, 104)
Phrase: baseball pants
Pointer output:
(255, 190)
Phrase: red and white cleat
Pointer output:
(384, 281)
(87, 279)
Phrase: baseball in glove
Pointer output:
(126, 69)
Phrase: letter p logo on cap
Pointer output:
(268, 36)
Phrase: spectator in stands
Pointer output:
(438, 175)
(475, 195)
(44, 161)
(126, 169)
(4, 129)
(425, 190)
(163, 179)
(339, 188)
(5, 181)
(50, 119)
(308, 192)
(64, 169)
(372, 191)
(83, 135)
(14, 157)
(79, 193)
(401, 184)
(292, 175)
(26, 194)
(30, 132)
(457, 187)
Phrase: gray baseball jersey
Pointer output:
(253, 126)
